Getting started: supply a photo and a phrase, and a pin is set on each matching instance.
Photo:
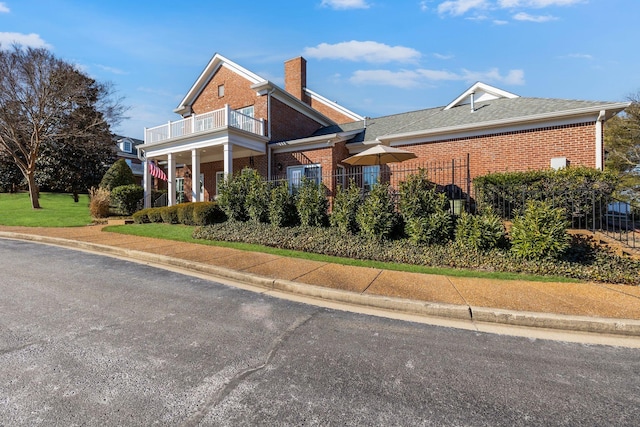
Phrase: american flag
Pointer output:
(155, 171)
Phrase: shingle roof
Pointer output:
(502, 109)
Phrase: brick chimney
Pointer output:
(295, 78)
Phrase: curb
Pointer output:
(625, 327)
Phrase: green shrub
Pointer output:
(141, 217)
(282, 206)
(480, 232)
(312, 203)
(169, 214)
(117, 175)
(126, 198)
(424, 210)
(154, 214)
(541, 232)
(376, 215)
(206, 213)
(345, 208)
(233, 194)
(257, 201)
(185, 213)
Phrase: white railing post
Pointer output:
(169, 130)
(227, 115)
(193, 123)
(261, 127)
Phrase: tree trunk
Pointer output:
(33, 191)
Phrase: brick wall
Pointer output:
(514, 151)
(287, 123)
(237, 93)
(330, 112)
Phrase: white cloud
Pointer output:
(111, 70)
(367, 51)
(442, 56)
(460, 7)
(345, 4)
(580, 56)
(4, 8)
(413, 78)
(26, 40)
(537, 3)
(522, 16)
(423, 6)
(500, 22)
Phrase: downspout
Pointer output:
(269, 133)
(599, 144)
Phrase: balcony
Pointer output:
(203, 123)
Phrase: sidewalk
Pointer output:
(588, 307)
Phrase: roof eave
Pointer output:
(610, 109)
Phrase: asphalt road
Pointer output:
(91, 340)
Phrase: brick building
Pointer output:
(233, 118)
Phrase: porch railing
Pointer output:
(206, 122)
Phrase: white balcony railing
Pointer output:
(206, 122)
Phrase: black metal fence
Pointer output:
(592, 210)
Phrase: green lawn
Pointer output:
(183, 233)
(58, 210)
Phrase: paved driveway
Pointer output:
(92, 340)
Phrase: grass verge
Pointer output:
(183, 233)
(57, 210)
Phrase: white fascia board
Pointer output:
(479, 86)
(313, 142)
(581, 115)
(201, 82)
(190, 142)
(339, 108)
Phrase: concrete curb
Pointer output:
(626, 327)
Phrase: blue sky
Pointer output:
(375, 57)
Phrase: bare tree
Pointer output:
(39, 95)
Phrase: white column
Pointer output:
(146, 183)
(195, 176)
(171, 179)
(228, 159)
(599, 160)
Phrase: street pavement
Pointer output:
(580, 307)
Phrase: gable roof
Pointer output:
(262, 86)
(481, 92)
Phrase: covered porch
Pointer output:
(195, 141)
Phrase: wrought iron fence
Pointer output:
(450, 177)
(592, 210)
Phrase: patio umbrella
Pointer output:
(379, 155)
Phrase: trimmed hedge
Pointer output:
(199, 213)
(125, 198)
(582, 261)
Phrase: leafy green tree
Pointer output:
(312, 203)
(10, 176)
(376, 216)
(540, 232)
(118, 174)
(622, 144)
(41, 99)
(345, 208)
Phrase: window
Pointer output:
(370, 176)
(126, 147)
(180, 198)
(220, 91)
(295, 174)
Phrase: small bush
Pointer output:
(541, 232)
(312, 204)
(154, 214)
(282, 206)
(424, 210)
(185, 213)
(345, 208)
(257, 202)
(480, 232)
(125, 198)
(141, 217)
(234, 192)
(100, 198)
(206, 213)
(376, 216)
(118, 174)
(169, 214)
